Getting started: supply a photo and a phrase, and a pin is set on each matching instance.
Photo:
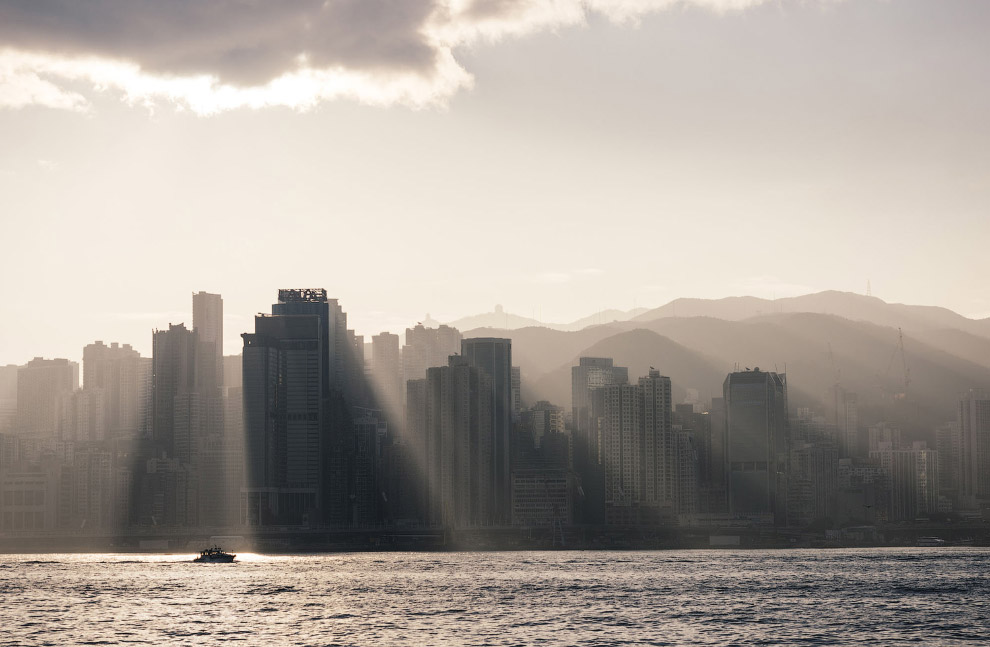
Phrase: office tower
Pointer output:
(974, 429)
(463, 486)
(588, 379)
(386, 371)
(426, 347)
(756, 443)
(42, 387)
(285, 415)
(332, 331)
(208, 326)
(493, 357)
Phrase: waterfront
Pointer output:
(856, 596)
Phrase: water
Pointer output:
(868, 596)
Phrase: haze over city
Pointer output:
(376, 305)
(586, 156)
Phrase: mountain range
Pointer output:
(907, 364)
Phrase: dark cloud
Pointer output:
(242, 42)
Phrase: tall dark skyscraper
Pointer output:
(284, 419)
(756, 443)
(300, 380)
(493, 357)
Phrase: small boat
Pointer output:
(930, 541)
(215, 555)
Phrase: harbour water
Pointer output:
(880, 596)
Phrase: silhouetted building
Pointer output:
(285, 417)
(910, 480)
(757, 443)
(386, 371)
(587, 406)
(426, 347)
(117, 380)
(43, 385)
(542, 419)
(639, 451)
(974, 429)
(460, 445)
(493, 357)
(173, 375)
(208, 326)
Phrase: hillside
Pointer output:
(698, 352)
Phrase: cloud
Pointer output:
(215, 55)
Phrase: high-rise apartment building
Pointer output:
(117, 373)
(462, 485)
(640, 451)
(588, 379)
(426, 347)
(42, 387)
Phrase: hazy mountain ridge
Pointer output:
(815, 350)
(849, 305)
(501, 320)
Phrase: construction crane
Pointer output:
(904, 365)
(836, 378)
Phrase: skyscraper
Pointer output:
(208, 326)
(173, 375)
(493, 357)
(974, 430)
(588, 379)
(285, 417)
(640, 451)
(462, 485)
(117, 372)
(386, 370)
(426, 347)
(757, 443)
(42, 386)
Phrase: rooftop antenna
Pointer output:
(869, 290)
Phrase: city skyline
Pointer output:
(765, 148)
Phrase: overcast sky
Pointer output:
(417, 156)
